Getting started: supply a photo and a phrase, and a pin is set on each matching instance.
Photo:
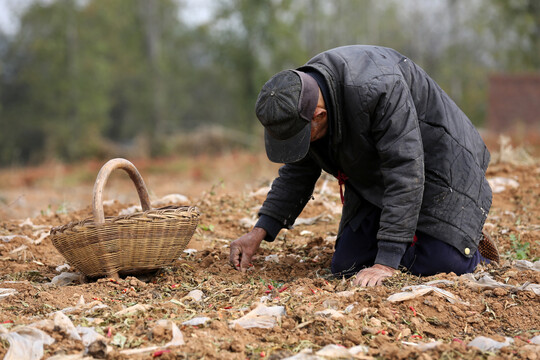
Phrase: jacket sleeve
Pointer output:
(395, 130)
(291, 191)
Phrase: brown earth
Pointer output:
(225, 190)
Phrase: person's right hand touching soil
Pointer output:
(243, 248)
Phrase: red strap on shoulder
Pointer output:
(341, 177)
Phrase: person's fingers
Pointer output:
(382, 277)
(376, 280)
(358, 278)
(371, 277)
(235, 255)
(245, 261)
(365, 279)
(232, 255)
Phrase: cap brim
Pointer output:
(289, 150)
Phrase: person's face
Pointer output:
(319, 123)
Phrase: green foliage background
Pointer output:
(79, 76)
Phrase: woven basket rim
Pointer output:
(193, 212)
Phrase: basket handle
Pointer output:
(103, 176)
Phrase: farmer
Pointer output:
(411, 162)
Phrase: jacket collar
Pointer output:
(331, 95)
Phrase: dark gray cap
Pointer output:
(285, 107)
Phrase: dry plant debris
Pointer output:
(287, 305)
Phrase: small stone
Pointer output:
(236, 346)
(98, 349)
(369, 330)
(530, 352)
(375, 322)
(511, 274)
(368, 311)
(334, 314)
(406, 332)
(416, 322)
(288, 324)
(195, 295)
(330, 304)
(500, 292)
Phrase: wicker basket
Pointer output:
(130, 244)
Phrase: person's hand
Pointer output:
(373, 275)
(243, 248)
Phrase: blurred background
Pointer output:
(94, 79)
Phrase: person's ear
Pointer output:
(320, 114)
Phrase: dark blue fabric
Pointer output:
(271, 225)
(357, 249)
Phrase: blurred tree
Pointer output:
(81, 74)
(92, 77)
(446, 40)
(3, 47)
(125, 55)
(38, 93)
(253, 39)
(332, 24)
(516, 29)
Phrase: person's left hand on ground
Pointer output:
(374, 275)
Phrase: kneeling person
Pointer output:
(412, 164)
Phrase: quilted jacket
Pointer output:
(404, 145)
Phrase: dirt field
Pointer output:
(301, 310)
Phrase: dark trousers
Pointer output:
(357, 248)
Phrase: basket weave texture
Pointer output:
(127, 244)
